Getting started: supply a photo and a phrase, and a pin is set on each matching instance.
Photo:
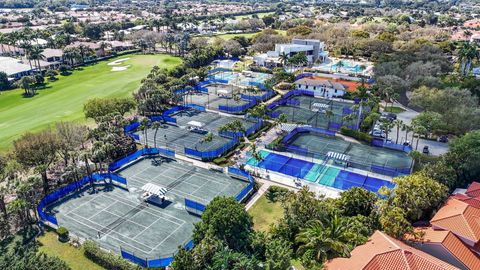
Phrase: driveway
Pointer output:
(436, 148)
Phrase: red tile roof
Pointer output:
(451, 244)
(382, 252)
(475, 202)
(351, 86)
(460, 218)
(473, 190)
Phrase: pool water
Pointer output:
(240, 78)
(346, 65)
(323, 174)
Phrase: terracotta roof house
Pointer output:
(381, 252)
(448, 247)
(473, 190)
(460, 218)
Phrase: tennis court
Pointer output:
(178, 137)
(117, 218)
(242, 79)
(361, 156)
(218, 95)
(310, 110)
(326, 173)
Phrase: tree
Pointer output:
(51, 75)
(326, 238)
(357, 201)
(394, 223)
(97, 108)
(4, 82)
(417, 195)
(234, 231)
(278, 254)
(463, 156)
(467, 53)
(26, 83)
(37, 150)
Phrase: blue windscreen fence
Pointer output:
(400, 147)
(297, 130)
(196, 107)
(239, 108)
(66, 190)
(263, 97)
(194, 206)
(303, 75)
(212, 153)
(137, 154)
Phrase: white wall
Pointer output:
(321, 91)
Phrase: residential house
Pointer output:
(313, 49)
(462, 219)
(448, 247)
(53, 55)
(384, 252)
(14, 68)
(325, 87)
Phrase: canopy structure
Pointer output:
(320, 107)
(196, 124)
(224, 92)
(338, 156)
(154, 189)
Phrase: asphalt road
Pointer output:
(436, 148)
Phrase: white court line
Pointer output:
(108, 234)
(157, 211)
(81, 205)
(166, 238)
(179, 193)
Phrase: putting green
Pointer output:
(63, 99)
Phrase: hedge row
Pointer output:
(361, 136)
(105, 259)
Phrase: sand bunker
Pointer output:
(117, 62)
(120, 68)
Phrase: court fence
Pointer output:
(390, 145)
(164, 261)
(139, 153)
(75, 186)
(237, 109)
(268, 94)
(207, 155)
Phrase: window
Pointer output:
(335, 90)
(306, 86)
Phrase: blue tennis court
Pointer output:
(322, 174)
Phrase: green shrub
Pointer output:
(106, 259)
(361, 136)
(276, 193)
(62, 234)
(219, 161)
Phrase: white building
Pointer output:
(323, 88)
(313, 49)
(14, 68)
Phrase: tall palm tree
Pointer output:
(36, 54)
(466, 54)
(399, 124)
(283, 58)
(156, 125)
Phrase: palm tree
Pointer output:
(144, 124)
(386, 125)
(466, 54)
(326, 239)
(329, 115)
(399, 124)
(84, 51)
(155, 125)
(36, 54)
(283, 58)
(339, 65)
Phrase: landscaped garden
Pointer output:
(63, 100)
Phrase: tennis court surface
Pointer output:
(178, 137)
(361, 156)
(305, 109)
(116, 218)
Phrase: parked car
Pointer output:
(443, 139)
(378, 133)
(426, 151)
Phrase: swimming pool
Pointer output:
(322, 174)
(345, 66)
(241, 79)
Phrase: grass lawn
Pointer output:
(72, 256)
(260, 15)
(265, 213)
(246, 35)
(394, 109)
(63, 99)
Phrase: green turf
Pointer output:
(246, 35)
(74, 257)
(264, 213)
(248, 16)
(63, 99)
(394, 109)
